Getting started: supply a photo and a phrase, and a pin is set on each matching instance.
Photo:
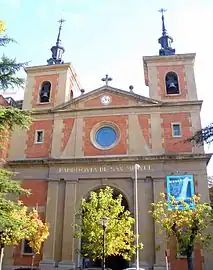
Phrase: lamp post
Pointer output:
(136, 215)
(104, 221)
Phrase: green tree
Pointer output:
(8, 66)
(120, 238)
(16, 222)
(204, 135)
(188, 226)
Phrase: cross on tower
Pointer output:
(162, 10)
(107, 79)
(61, 21)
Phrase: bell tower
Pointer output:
(170, 76)
(52, 84)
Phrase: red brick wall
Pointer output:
(116, 100)
(66, 132)
(177, 263)
(176, 144)
(144, 122)
(161, 73)
(34, 150)
(120, 148)
(38, 192)
(3, 101)
(53, 79)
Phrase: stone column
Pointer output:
(49, 248)
(68, 242)
(159, 187)
(146, 226)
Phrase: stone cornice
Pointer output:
(44, 68)
(110, 159)
(164, 104)
(169, 58)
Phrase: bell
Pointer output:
(45, 95)
(172, 85)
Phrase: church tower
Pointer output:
(170, 76)
(52, 84)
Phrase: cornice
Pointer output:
(44, 68)
(110, 159)
(170, 58)
(163, 104)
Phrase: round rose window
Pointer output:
(106, 137)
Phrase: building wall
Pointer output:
(67, 165)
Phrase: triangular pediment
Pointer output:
(107, 96)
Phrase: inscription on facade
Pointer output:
(103, 168)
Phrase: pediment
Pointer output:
(107, 96)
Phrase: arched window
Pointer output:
(45, 92)
(172, 85)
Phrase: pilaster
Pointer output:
(159, 187)
(68, 242)
(54, 217)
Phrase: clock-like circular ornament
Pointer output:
(106, 100)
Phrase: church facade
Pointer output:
(79, 142)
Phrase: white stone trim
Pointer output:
(172, 127)
(36, 133)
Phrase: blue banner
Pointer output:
(181, 187)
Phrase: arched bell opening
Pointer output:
(172, 84)
(44, 94)
(112, 262)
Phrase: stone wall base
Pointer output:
(47, 265)
(159, 267)
(66, 265)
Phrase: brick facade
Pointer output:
(66, 132)
(161, 73)
(145, 125)
(116, 100)
(35, 150)
(171, 144)
(91, 122)
(53, 79)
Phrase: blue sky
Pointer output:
(111, 36)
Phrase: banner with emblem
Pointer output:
(181, 187)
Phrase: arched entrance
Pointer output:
(112, 262)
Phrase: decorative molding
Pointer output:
(109, 159)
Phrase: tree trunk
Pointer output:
(1, 255)
(33, 260)
(190, 262)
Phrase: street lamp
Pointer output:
(104, 222)
(136, 215)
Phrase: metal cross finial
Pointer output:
(59, 31)
(107, 79)
(61, 21)
(162, 10)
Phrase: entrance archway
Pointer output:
(112, 262)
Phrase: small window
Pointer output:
(176, 130)
(45, 92)
(26, 249)
(39, 136)
(172, 85)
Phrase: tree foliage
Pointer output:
(38, 231)
(9, 67)
(11, 118)
(120, 238)
(16, 223)
(187, 226)
(204, 135)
